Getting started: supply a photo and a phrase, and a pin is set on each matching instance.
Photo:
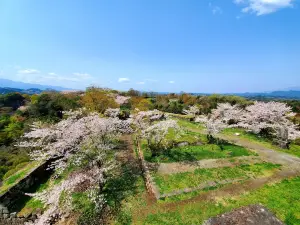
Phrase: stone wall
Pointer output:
(9, 201)
(150, 185)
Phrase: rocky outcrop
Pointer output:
(248, 215)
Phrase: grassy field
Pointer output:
(280, 198)
(195, 153)
(131, 203)
(294, 149)
(189, 124)
(169, 183)
(186, 136)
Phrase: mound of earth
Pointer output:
(248, 215)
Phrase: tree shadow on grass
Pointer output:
(172, 155)
(124, 184)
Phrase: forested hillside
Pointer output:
(111, 153)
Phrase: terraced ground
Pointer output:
(267, 176)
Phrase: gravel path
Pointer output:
(267, 154)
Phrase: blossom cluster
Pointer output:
(153, 126)
(51, 197)
(114, 113)
(156, 133)
(64, 138)
(121, 99)
(192, 111)
(261, 115)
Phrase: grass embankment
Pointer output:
(186, 136)
(180, 116)
(30, 204)
(280, 198)
(294, 149)
(178, 181)
(191, 125)
(14, 178)
(195, 153)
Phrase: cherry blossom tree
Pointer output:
(192, 111)
(114, 113)
(220, 118)
(153, 126)
(83, 140)
(271, 117)
(156, 135)
(63, 139)
(121, 100)
(143, 119)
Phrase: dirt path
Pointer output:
(127, 156)
(178, 167)
(267, 154)
(126, 152)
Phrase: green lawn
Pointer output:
(169, 183)
(195, 153)
(191, 125)
(281, 198)
(180, 116)
(294, 149)
(186, 136)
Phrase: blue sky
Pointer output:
(157, 45)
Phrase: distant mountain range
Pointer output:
(292, 89)
(8, 86)
(291, 94)
(21, 85)
(30, 91)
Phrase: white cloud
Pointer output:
(262, 7)
(29, 71)
(172, 82)
(123, 80)
(82, 75)
(217, 10)
(141, 82)
(55, 77)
